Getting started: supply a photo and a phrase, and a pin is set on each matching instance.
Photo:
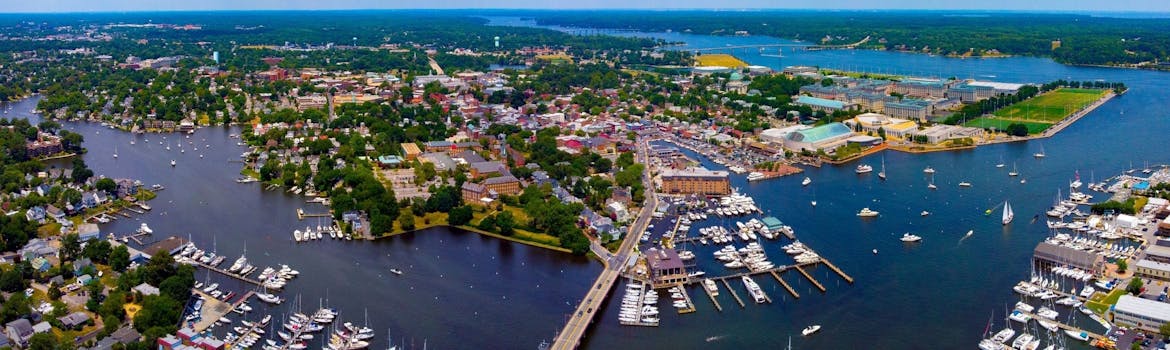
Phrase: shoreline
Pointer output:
(1058, 126)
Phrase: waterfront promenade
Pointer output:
(570, 336)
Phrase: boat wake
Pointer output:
(715, 338)
(966, 236)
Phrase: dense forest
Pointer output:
(1083, 39)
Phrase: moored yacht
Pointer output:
(907, 237)
(863, 168)
(866, 212)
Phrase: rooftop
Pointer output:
(663, 259)
(820, 133)
(820, 102)
(1145, 307)
(693, 172)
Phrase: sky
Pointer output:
(202, 5)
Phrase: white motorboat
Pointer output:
(866, 212)
(755, 176)
(863, 168)
(928, 170)
(925, 213)
(907, 237)
(806, 181)
(810, 330)
(1082, 336)
(964, 184)
(172, 162)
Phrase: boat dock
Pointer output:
(213, 309)
(135, 210)
(785, 284)
(713, 300)
(686, 296)
(136, 237)
(301, 214)
(232, 275)
(646, 290)
(837, 270)
(810, 278)
(1063, 326)
(737, 299)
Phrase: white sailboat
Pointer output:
(882, 174)
(1008, 215)
(1041, 153)
(115, 151)
(1014, 172)
(1000, 164)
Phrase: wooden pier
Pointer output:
(301, 214)
(232, 275)
(785, 284)
(135, 236)
(646, 290)
(1062, 325)
(737, 299)
(712, 296)
(837, 270)
(810, 278)
(686, 296)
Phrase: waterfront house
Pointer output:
(88, 231)
(19, 331)
(666, 268)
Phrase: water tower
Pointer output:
(497, 41)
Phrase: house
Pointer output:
(55, 213)
(619, 211)
(123, 335)
(35, 214)
(74, 320)
(80, 265)
(85, 280)
(41, 264)
(42, 327)
(87, 232)
(146, 289)
(36, 247)
(127, 187)
(19, 331)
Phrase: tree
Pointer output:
(15, 307)
(107, 184)
(460, 215)
(43, 341)
(80, 171)
(1135, 286)
(1017, 129)
(120, 258)
(1122, 265)
(70, 247)
(406, 221)
(506, 223)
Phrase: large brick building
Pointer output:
(695, 181)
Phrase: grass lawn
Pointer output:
(1051, 106)
(1000, 124)
(520, 218)
(1100, 303)
(719, 60)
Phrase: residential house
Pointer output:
(88, 231)
(19, 332)
(35, 214)
(55, 213)
(74, 320)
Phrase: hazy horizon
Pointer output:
(1070, 6)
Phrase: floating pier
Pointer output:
(301, 214)
(837, 270)
(690, 304)
(713, 300)
(786, 286)
(737, 299)
(232, 275)
(810, 278)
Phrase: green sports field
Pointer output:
(1052, 106)
(1040, 112)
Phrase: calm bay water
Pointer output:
(458, 290)
(937, 294)
(461, 290)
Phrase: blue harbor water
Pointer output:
(462, 290)
(458, 289)
(936, 294)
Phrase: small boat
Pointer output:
(810, 329)
(882, 174)
(863, 168)
(172, 162)
(875, 252)
(928, 170)
(964, 184)
(806, 181)
(1008, 215)
(396, 271)
(925, 213)
(1041, 153)
(866, 212)
(1082, 336)
(814, 203)
(909, 238)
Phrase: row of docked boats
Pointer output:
(247, 335)
(639, 305)
(751, 256)
(801, 253)
(318, 233)
(1102, 248)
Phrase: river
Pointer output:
(937, 294)
(458, 290)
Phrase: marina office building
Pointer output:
(695, 181)
(1141, 313)
(1048, 255)
(666, 268)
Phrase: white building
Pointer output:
(1141, 313)
(777, 135)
